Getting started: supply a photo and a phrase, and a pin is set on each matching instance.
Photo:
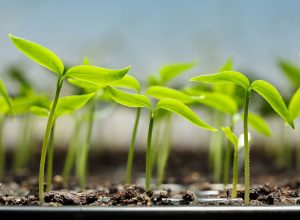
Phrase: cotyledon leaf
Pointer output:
(273, 97)
(96, 75)
(291, 71)
(184, 111)
(230, 136)
(69, 104)
(39, 54)
(259, 124)
(128, 82)
(218, 101)
(169, 72)
(160, 92)
(294, 105)
(224, 77)
(39, 111)
(129, 100)
(5, 96)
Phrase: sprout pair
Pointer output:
(47, 59)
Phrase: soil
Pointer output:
(188, 182)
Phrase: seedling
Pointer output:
(263, 88)
(5, 108)
(217, 101)
(172, 105)
(257, 123)
(47, 59)
(162, 136)
(66, 106)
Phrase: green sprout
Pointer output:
(263, 88)
(215, 100)
(66, 105)
(258, 124)
(172, 105)
(47, 59)
(162, 136)
(5, 108)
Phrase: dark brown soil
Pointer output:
(270, 185)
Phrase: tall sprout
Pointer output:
(52, 62)
(263, 88)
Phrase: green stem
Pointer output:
(165, 152)
(86, 146)
(235, 172)
(247, 150)
(2, 150)
(71, 153)
(46, 138)
(156, 142)
(216, 145)
(128, 175)
(149, 152)
(23, 151)
(227, 160)
(50, 158)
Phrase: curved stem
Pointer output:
(247, 150)
(83, 162)
(71, 153)
(2, 150)
(149, 152)
(50, 159)
(46, 138)
(131, 148)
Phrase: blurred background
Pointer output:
(148, 34)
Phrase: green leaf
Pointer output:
(40, 111)
(160, 92)
(4, 108)
(23, 104)
(87, 86)
(39, 54)
(273, 97)
(181, 109)
(230, 136)
(128, 82)
(86, 61)
(294, 105)
(129, 100)
(291, 71)
(228, 65)
(228, 88)
(224, 77)
(6, 97)
(96, 75)
(69, 104)
(218, 101)
(169, 72)
(259, 124)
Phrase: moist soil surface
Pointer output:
(188, 182)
